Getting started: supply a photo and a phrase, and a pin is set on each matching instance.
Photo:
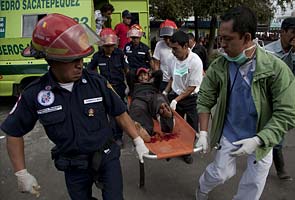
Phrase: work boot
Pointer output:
(279, 163)
(200, 195)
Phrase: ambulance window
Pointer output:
(135, 18)
(29, 22)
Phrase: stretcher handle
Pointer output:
(154, 157)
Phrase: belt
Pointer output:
(191, 95)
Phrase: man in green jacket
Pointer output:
(254, 96)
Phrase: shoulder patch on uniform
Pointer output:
(45, 97)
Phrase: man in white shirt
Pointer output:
(163, 51)
(102, 15)
(186, 74)
(283, 48)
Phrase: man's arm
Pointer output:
(168, 87)
(156, 64)
(26, 182)
(127, 124)
(185, 93)
(203, 136)
(15, 149)
(152, 64)
(283, 107)
(204, 121)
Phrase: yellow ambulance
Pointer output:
(18, 19)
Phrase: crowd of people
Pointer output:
(84, 111)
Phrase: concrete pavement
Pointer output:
(173, 180)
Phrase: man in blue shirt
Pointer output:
(110, 62)
(138, 54)
(73, 106)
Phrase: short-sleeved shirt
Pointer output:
(75, 121)
(277, 49)
(121, 31)
(138, 56)
(188, 72)
(162, 53)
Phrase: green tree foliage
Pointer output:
(264, 9)
(171, 9)
(181, 9)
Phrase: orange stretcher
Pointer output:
(179, 143)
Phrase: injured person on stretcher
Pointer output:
(148, 103)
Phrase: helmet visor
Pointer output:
(108, 40)
(134, 33)
(166, 31)
(76, 42)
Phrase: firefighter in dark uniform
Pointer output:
(111, 64)
(138, 54)
(73, 106)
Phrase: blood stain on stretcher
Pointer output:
(159, 137)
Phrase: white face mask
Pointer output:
(241, 58)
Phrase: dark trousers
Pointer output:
(143, 109)
(118, 132)
(187, 106)
(278, 158)
(79, 182)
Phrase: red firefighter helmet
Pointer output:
(167, 28)
(108, 37)
(58, 37)
(135, 31)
